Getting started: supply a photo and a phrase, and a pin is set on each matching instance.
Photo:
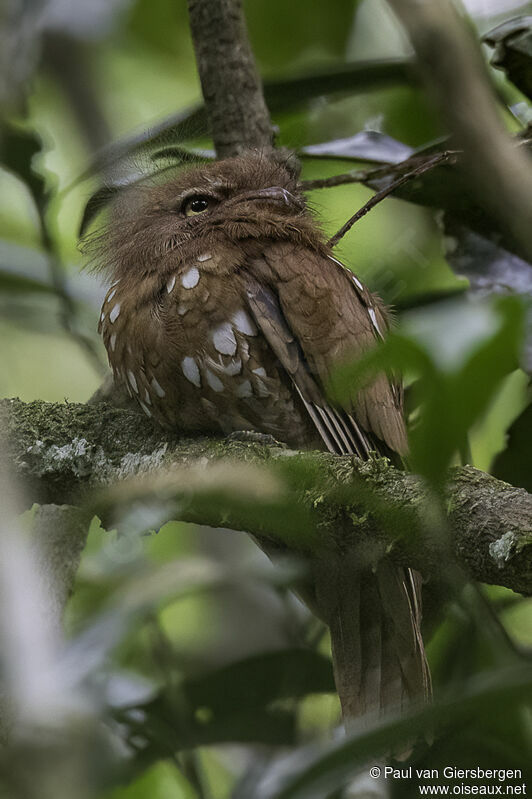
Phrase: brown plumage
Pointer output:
(226, 312)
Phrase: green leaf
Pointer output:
(313, 772)
(460, 359)
(323, 35)
(163, 780)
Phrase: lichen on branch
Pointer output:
(64, 452)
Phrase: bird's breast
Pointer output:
(193, 357)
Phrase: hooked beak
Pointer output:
(274, 194)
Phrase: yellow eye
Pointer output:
(196, 205)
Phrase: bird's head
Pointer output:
(243, 198)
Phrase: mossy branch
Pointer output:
(64, 452)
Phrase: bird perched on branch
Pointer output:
(226, 312)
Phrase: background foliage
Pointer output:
(189, 670)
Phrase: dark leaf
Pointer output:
(445, 186)
(97, 202)
(367, 145)
(361, 76)
(18, 148)
(260, 680)
(165, 732)
(489, 267)
(514, 464)
(512, 41)
(236, 703)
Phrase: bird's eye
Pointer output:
(196, 205)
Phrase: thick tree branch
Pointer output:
(450, 61)
(64, 451)
(229, 79)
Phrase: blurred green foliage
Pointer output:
(210, 679)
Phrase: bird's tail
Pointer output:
(374, 617)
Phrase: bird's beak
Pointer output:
(274, 194)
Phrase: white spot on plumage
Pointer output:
(234, 367)
(190, 278)
(355, 280)
(260, 371)
(224, 339)
(373, 317)
(244, 323)
(262, 388)
(214, 382)
(112, 341)
(182, 309)
(191, 371)
(244, 389)
(132, 381)
(111, 295)
(170, 284)
(147, 396)
(157, 388)
(102, 317)
(205, 257)
(113, 316)
(145, 409)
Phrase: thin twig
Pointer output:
(380, 195)
(338, 180)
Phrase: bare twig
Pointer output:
(440, 158)
(359, 176)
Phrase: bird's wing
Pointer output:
(314, 313)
